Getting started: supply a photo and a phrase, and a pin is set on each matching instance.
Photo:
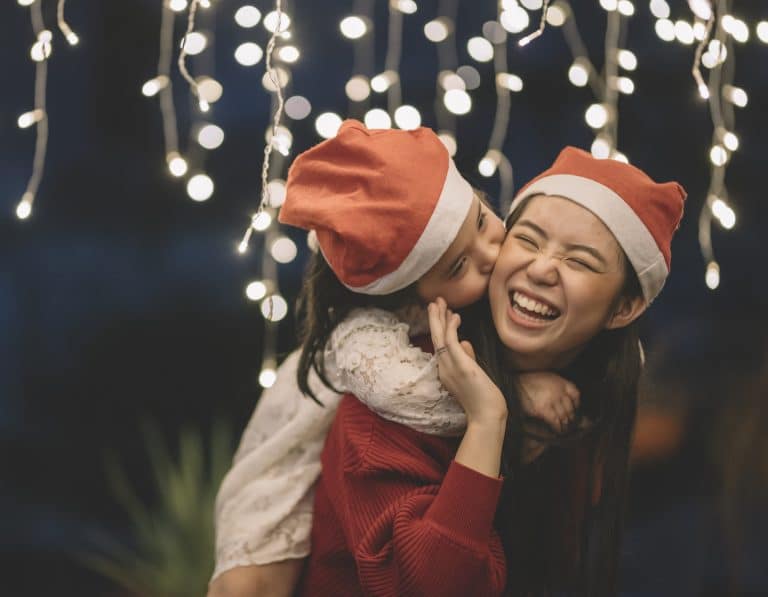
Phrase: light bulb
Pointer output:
(276, 190)
(271, 22)
(209, 90)
(627, 60)
(177, 5)
(283, 250)
(248, 53)
(718, 155)
(407, 118)
(194, 43)
(29, 118)
(267, 378)
(596, 116)
(712, 276)
(437, 30)
(353, 27)
(601, 148)
(514, 19)
(256, 290)
(177, 165)
(665, 29)
(377, 119)
(274, 308)
(200, 187)
(449, 141)
(153, 86)
(289, 54)
(297, 107)
(327, 124)
(261, 221)
(24, 208)
(509, 81)
(247, 16)
(480, 49)
(578, 73)
(358, 88)
(210, 136)
(660, 9)
(457, 101)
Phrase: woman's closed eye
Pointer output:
(526, 240)
(580, 263)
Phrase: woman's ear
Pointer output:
(626, 312)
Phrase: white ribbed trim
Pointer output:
(441, 230)
(626, 226)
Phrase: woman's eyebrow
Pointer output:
(573, 247)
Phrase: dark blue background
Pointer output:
(121, 299)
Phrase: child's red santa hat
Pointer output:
(385, 204)
(642, 214)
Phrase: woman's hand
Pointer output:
(459, 372)
(549, 397)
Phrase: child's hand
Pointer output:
(549, 397)
(459, 372)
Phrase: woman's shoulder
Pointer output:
(368, 442)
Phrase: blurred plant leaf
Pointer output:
(172, 544)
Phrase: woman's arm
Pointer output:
(412, 527)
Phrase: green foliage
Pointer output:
(173, 541)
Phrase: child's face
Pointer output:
(462, 274)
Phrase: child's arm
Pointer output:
(263, 511)
(371, 356)
(278, 579)
(549, 397)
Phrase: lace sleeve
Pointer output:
(370, 355)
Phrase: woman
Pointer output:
(398, 512)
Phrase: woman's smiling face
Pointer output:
(557, 283)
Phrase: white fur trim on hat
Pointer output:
(627, 227)
(447, 218)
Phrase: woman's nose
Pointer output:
(543, 269)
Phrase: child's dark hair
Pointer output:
(322, 304)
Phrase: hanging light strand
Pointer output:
(447, 59)
(724, 143)
(494, 159)
(542, 24)
(277, 84)
(696, 69)
(182, 62)
(176, 163)
(392, 60)
(64, 27)
(24, 207)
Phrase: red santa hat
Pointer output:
(642, 214)
(385, 204)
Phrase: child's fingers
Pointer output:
(436, 328)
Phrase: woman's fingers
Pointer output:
(468, 349)
(436, 327)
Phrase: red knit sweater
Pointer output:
(395, 515)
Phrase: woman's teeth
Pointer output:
(533, 307)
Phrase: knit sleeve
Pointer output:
(371, 356)
(412, 527)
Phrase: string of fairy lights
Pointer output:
(376, 95)
(40, 52)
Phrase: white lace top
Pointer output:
(264, 506)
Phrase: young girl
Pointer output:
(399, 512)
(397, 227)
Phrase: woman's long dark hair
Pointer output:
(560, 518)
(323, 303)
